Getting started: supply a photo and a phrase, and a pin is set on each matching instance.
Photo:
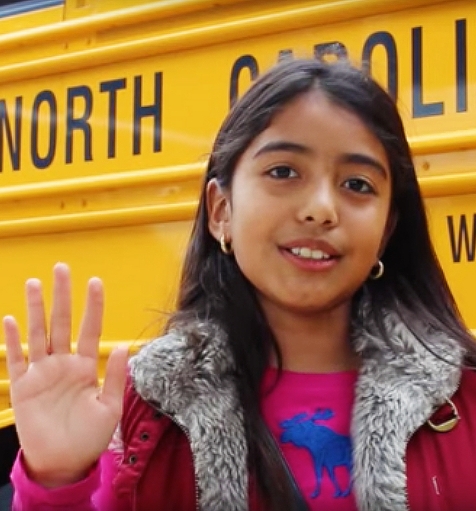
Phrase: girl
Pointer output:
(316, 359)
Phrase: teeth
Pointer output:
(307, 253)
(319, 254)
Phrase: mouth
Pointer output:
(312, 260)
(312, 254)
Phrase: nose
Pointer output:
(320, 206)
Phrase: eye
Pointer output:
(283, 172)
(359, 185)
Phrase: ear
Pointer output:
(389, 228)
(219, 210)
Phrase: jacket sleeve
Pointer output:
(93, 493)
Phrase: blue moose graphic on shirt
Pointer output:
(327, 448)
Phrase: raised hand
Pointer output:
(64, 420)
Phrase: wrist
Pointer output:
(54, 478)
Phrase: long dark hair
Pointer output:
(214, 288)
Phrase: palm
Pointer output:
(63, 420)
(57, 412)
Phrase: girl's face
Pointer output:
(308, 208)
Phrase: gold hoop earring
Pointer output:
(377, 270)
(225, 246)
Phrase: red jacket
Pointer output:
(182, 442)
(440, 470)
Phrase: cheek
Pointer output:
(251, 211)
(253, 231)
(247, 229)
(369, 231)
(378, 245)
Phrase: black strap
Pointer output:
(299, 502)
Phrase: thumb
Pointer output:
(112, 392)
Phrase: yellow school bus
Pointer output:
(108, 110)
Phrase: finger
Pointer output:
(60, 325)
(16, 363)
(37, 344)
(115, 378)
(91, 324)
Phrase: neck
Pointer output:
(313, 343)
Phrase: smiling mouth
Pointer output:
(307, 253)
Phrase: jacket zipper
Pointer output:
(187, 434)
(407, 504)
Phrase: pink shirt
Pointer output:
(309, 415)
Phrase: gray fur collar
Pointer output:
(395, 395)
(189, 375)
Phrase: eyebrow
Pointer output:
(363, 159)
(282, 145)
